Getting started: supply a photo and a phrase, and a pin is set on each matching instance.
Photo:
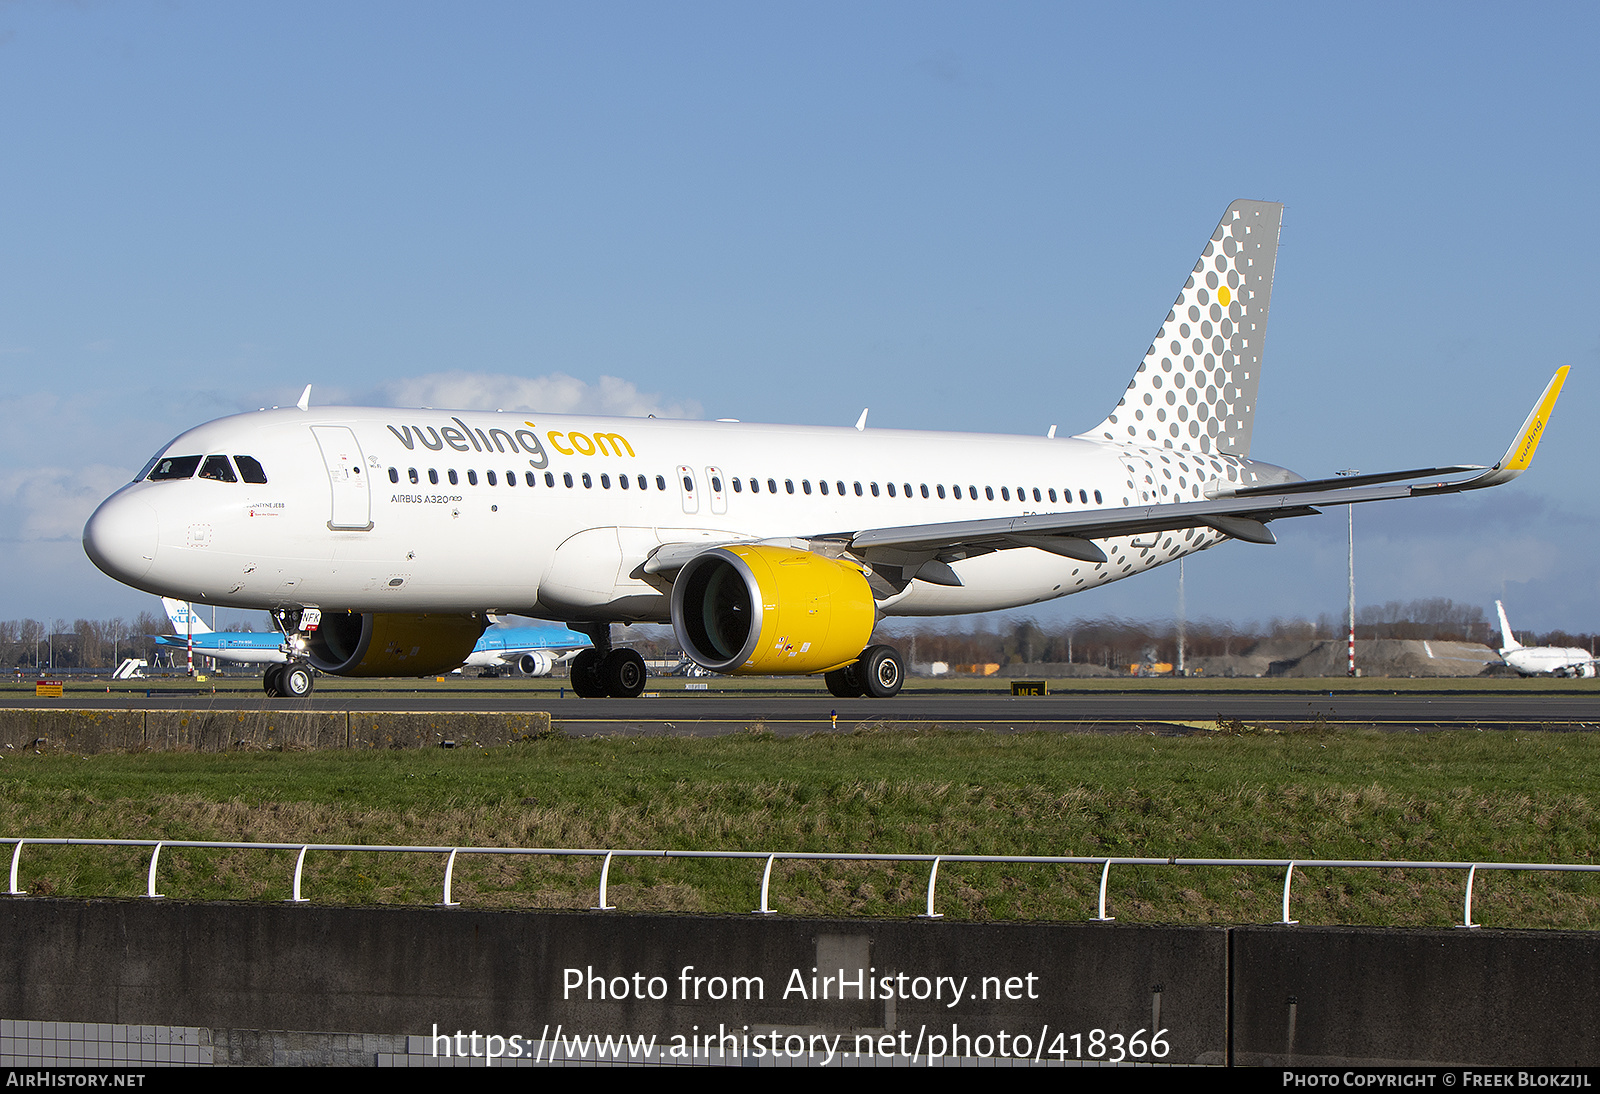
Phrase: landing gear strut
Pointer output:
(605, 670)
(878, 673)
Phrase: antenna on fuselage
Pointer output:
(305, 399)
(861, 422)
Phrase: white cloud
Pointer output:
(556, 393)
(52, 503)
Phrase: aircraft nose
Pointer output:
(121, 538)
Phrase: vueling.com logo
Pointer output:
(469, 439)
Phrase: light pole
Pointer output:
(1180, 671)
(1350, 516)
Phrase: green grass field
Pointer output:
(1312, 794)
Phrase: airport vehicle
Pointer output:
(532, 650)
(1542, 660)
(384, 538)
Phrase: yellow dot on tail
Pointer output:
(1224, 296)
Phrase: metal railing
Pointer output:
(1288, 866)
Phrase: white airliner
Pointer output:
(384, 538)
(1542, 660)
(532, 650)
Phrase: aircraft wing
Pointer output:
(925, 550)
(1241, 512)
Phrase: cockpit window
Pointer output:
(218, 468)
(250, 470)
(175, 467)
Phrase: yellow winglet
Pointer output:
(1520, 454)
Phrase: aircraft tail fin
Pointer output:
(1196, 387)
(180, 612)
(1506, 636)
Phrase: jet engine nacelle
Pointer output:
(345, 644)
(536, 663)
(749, 609)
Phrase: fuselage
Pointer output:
(389, 510)
(1550, 660)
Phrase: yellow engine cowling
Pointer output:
(749, 609)
(346, 644)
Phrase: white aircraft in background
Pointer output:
(1542, 660)
(532, 650)
(383, 539)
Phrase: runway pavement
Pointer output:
(692, 713)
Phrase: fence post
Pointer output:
(449, 868)
(605, 872)
(1466, 919)
(150, 883)
(299, 864)
(15, 855)
(933, 877)
(766, 880)
(1104, 875)
(1287, 876)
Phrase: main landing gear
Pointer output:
(291, 681)
(878, 673)
(605, 670)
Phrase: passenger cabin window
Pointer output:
(532, 479)
(661, 482)
(472, 478)
(251, 471)
(411, 473)
(218, 469)
(175, 467)
(492, 480)
(433, 475)
(394, 474)
(455, 480)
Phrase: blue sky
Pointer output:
(965, 216)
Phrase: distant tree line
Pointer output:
(1116, 643)
(1110, 642)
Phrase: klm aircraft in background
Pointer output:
(532, 650)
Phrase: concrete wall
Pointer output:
(406, 970)
(1249, 995)
(83, 732)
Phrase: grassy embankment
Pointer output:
(1523, 796)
